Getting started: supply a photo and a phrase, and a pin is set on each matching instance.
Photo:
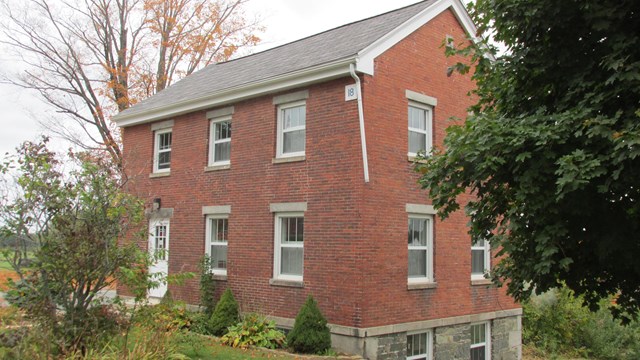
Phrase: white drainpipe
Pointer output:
(363, 140)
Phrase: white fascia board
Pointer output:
(228, 96)
(367, 55)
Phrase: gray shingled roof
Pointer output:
(326, 47)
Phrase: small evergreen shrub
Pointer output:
(310, 334)
(225, 314)
(254, 330)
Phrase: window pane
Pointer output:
(222, 152)
(417, 263)
(477, 262)
(293, 141)
(478, 353)
(417, 142)
(218, 256)
(478, 334)
(165, 141)
(223, 130)
(291, 261)
(417, 232)
(292, 230)
(164, 160)
(417, 118)
(294, 117)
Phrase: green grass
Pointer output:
(195, 346)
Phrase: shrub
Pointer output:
(254, 330)
(207, 286)
(225, 314)
(310, 334)
(556, 323)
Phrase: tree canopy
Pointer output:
(551, 149)
(90, 59)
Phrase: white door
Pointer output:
(159, 250)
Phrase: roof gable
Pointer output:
(316, 58)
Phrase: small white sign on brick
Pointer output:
(350, 92)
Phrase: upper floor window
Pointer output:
(217, 243)
(420, 240)
(162, 150)
(220, 141)
(420, 132)
(480, 259)
(419, 346)
(291, 129)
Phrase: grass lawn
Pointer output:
(204, 348)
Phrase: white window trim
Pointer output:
(429, 354)
(428, 133)
(487, 340)
(278, 245)
(157, 151)
(280, 130)
(213, 142)
(486, 248)
(208, 241)
(429, 278)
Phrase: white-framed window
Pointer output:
(480, 259)
(291, 137)
(480, 341)
(220, 141)
(160, 239)
(216, 245)
(420, 133)
(162, 150)
(419, 345)
(420, 243)
(289, 246)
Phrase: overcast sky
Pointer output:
(284, 21)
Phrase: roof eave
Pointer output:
(283, 82)
(367, 55)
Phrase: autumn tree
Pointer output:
(90, 59)
(551, 150)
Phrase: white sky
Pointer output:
(284, 21)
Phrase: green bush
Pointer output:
(310, 334)
(254, 330)
(556, 323)
(225, 314)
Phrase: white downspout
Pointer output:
(363, 140)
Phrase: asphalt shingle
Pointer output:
(326, 47)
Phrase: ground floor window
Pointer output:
(419, 345)
(480, 339)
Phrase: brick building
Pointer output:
(292, 168)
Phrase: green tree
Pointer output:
(550, 150)
(75, 212)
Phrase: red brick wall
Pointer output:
(355, 249)
(330, 181)
(417, 63)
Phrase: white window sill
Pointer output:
(286, 283)
(220, 277)
(160, 174)
(288, 159)
(412, 158)
(479, 282)
(422, 285)
(217, 167)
